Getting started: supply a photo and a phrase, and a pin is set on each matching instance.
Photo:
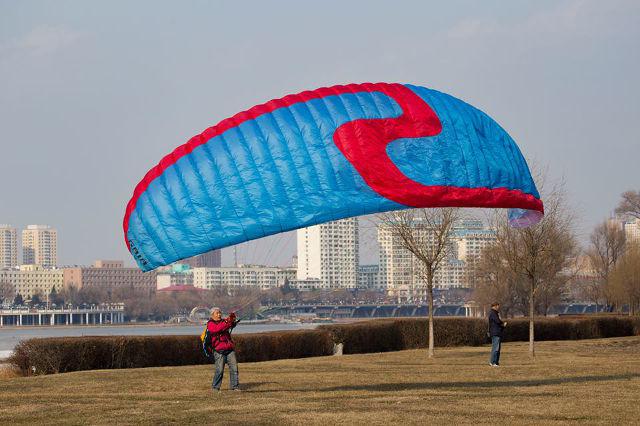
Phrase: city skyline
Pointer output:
(86, 114)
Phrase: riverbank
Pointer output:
(589, 381)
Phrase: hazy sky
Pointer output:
(93, 94)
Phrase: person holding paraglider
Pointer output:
(222, 348)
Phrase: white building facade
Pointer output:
(369, 277)
(8, 247)
(401, 273)
(329, 253)
(174, 275)
(257, 276)
(632, 231)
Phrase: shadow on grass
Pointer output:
(384, 387)
(387, 387)
(253, 385)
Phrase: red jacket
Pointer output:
(220, 335)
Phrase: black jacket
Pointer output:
(496, 326)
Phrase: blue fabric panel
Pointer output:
(278, 172)
(283, 171)
(471, 151)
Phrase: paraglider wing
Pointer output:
(324, 155)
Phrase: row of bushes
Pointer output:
(65, 354)
(406, 333)
(411, 333)
(59, 355)
(573, 328)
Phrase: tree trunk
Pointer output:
(531, 311)
(430, 290)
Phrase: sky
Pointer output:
(93, 94)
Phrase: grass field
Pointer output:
(592, 381)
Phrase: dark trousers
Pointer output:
(495, 350)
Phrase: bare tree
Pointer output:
(606, 248)
(630, 204)
(494, 280)
(545, 250)
(554, 280)
(526, 264)
(7, 291)
(426, 233)
(625, 279)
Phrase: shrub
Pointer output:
(574, 328)
(398, 334)
(60, 355)
(406, 333)
(283, 345)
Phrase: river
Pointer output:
(11, 336)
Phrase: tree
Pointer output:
(55, 297)
(7, 292)
(528, 267)
(630, 204)
(91, 295)
(607, 245)
(543, 251)
(36, 300)
(70, 295)
(493, 280)
(624, 282)
(18, 301)
(425, 233)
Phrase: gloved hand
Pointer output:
(232, 317)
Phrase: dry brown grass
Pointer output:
(8, 371)
(592, 381)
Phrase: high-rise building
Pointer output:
(401, 273)
(396, 264)
(369, 277)
(329, 252)
(8, 247)
(39, 246)
(632, 231)
(211, 259)
(471, 242)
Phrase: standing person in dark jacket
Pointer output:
(223, 348)
(496, 328)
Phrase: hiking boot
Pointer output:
(237, 389)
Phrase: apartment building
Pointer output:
(8, 247)
(257, 276)
(401, 273)
(40, 246)
(329, 252)
(30, 280)
(110, 275)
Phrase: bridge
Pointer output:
(101, 314)
(408, 310)
(369, 311)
